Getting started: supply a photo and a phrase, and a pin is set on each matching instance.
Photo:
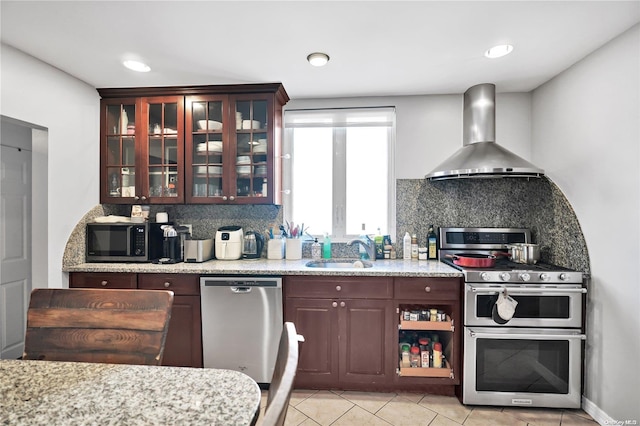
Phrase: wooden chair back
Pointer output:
(98, 325)
(283, 376)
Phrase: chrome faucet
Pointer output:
(368, 244)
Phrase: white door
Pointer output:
(15, 237)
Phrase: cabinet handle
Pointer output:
(232, 198)
(427, 289)
(334, 304)
(136, 197)
(342, 304)
(143, 198)
(338, 288)
(167, 284)
(224, 197)
(103, 283)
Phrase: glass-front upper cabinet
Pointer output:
(142, 150)
(206, 147)
(252, 161)
(163, 180)
(118, 156)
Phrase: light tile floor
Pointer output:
(338, 408)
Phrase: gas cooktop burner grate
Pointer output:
(508, 265)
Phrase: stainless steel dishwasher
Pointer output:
(241, 324)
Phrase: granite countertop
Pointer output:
(76, 393)
(398, 268)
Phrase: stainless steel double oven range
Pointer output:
(535, 358)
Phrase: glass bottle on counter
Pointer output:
(432, 243)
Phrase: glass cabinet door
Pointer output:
(207, 144)
(120, 158)
(164, 149)
(251, 165)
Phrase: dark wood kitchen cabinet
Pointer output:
(348, 325)
(423, 294)
(183, 346)
(142, 150)
(199, 144)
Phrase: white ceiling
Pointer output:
(377, 48)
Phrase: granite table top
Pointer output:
(270, 267)
(75, 393)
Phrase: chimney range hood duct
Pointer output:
(480, 156)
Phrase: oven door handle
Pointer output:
(526, 336)
(529, 290)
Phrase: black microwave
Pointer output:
(124, 242)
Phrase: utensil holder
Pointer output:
(275, 248)
(294, 249)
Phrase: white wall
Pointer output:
(586, 134)
(429, 127)
(69, 109)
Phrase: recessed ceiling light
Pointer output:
(137, 66)
(498, 51)
(318, 59)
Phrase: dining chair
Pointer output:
(283, 377)
(98, 325)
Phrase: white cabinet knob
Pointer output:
(338, 288)
(167, 284)
(427, 289)
(334, 304)
(103, 283)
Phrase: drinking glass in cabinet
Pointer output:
(121, 119)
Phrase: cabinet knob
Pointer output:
(427, 289)
(224, 197)
(167, 284)
(232, 198)
(342, 304)
(334, 304)
(136, 197)
(103, 283)
(338, 288)
(143, 198)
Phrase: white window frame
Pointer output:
(340, 118)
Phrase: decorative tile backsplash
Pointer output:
(537, 204)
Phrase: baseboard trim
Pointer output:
(596, 413)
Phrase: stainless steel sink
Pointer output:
(339, 263)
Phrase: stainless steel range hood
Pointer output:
(480, 156)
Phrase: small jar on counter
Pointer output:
(422, 253)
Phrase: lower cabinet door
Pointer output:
(317, 321)
(366, 341)
(183, 347)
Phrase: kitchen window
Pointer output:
(339, 172)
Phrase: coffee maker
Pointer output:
(173, 243)
(253, 245)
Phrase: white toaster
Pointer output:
(229, 240)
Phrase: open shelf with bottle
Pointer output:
(423, 326)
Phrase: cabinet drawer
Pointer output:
(102, 280)
(427, 288)
(180, 284)
(342, 287)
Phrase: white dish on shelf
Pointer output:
(213, 170)
(243, 159)
(250, 124)
(260, 149)
(209, 125)
(243, 170)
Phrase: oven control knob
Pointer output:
(505, 276)
(525, 276)
(563, 277)
(485, 276)
(545, 277)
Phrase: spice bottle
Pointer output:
(406, 246)
(414, 247)
(437, 355)
(414, 357)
